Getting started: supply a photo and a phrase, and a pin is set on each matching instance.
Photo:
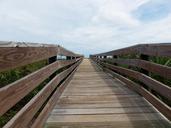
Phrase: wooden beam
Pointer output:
(162, 70)
(163, 50)
(16, 54)
(12, 57)
(14, 92)
(40, 120)
(159, 87)
(30, 109)
(162, 107)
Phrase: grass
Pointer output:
(10, 76)
(159, 60)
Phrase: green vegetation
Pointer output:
(163, 61)
(159, 60)
(10, 76)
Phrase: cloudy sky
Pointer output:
(86, 26)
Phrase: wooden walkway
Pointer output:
(95, 99)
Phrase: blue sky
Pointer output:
(86, 26)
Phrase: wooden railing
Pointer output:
(14, 55)
(139, 80)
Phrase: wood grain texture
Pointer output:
(12, 57)
(102, 105)
(83, 104)
(163, 108)
(163, 49)
(42, 117)
(14, 92)
(29, 110)
(159, 87)
(162, 70)
(15, 54)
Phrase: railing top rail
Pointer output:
(158, 49)
(46, 81)
(15, 54)
(24, 44)
(142, 70)
(61, 50)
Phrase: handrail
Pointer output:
(26, 84)
(16, 54)
(39, 122)
(153, 84)
(146, 85)
(162, 107)
(163, 70)
(163, 50)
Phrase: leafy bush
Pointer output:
(10, 76)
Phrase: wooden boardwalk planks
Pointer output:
(94, 99)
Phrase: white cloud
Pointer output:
(157, 31)
(87, 26)
(118, 12)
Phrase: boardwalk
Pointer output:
(95, 99)
(133, 91)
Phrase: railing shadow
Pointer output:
(138, 106)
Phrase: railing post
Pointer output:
(96, 58)
(115, 57)
(146, 72)
(51, 60)
(144, 57)
(68, 57)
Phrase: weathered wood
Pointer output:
(61, 50)
(15, 54)
(97, 111)
(92, 107)
(126, 124)
(144, 50)
(161, 88)
(39, 122)
(29, 110)
(100, 105)
(11, 57)
(163, 108)
(104, 117)
(123, 79)
(99, 99)
(52, 60)
(117, 92)
(108, 121)
(12, 93)
(14, 44)
(163, 49)
(162, 70)
(146, 58)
